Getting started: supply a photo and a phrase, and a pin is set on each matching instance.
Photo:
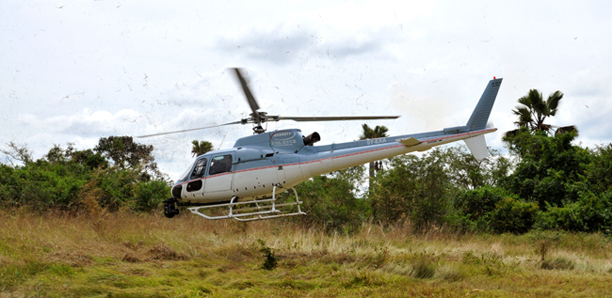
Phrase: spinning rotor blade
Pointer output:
(334, 118)
(186, 130)
(247, 91)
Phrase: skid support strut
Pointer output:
(252, 210)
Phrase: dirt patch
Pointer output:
(130, 258)
(163, 252)
(75, 259)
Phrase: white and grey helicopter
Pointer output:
(244, 181)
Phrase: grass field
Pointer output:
(147, 255)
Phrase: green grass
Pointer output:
(128, 255)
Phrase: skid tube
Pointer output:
(263, 209)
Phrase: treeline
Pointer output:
(545, 183)
(117, 174)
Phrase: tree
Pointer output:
(535, 110)
(551, 171)
(414, 189)
(369, 133)
(18, 152)
(127, 154)
(200, 147)
(330, 202)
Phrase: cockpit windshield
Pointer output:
(198, 170)
(185, 176)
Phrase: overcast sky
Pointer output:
(76, 71)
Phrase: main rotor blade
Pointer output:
(334, 118)
(186, 130)
(247, 91)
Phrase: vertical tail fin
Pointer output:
(479, 118)
(481, 113)
(478, 121)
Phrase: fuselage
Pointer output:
(257, 163)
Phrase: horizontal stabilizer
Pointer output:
(478, 147)
(410, 142)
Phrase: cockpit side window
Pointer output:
(198, 170)
(220, 164)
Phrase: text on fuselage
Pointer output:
(376, 141)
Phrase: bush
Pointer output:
(414, 189)
(560, 218)
(589, 214)
(548, 167)
(475, 203)
(330, 203)
(599, 171)
(67, 179)
(270, 261)
(472, 208)
(41, 185)
(150, 194)
(513, 216)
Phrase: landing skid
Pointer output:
(262, 209)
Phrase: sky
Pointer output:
(77, 71)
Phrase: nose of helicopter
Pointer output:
(176, 190)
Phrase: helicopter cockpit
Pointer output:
(219, 164)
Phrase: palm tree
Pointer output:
(200, 147)
(369, 133)
(535, 110)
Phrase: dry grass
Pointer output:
(143, 255)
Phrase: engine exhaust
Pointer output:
(311, 139)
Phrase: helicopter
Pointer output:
(244, 181)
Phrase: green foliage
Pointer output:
(513, 216)
(544, 241)
(571, 184)
(475, 203)
(270, 261)
(599, 171)
(548, 169)
(89, 159)
(467, 172)
(42, 185)
(535, 109)
(471, 209)
(415, 189)
(423, 189)
(200, 147)
(68, 179)
(149, 195)
(590, 213)
(330, 202)
(124, 153)
(369, 133)
(551, 184)
(492, 209)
